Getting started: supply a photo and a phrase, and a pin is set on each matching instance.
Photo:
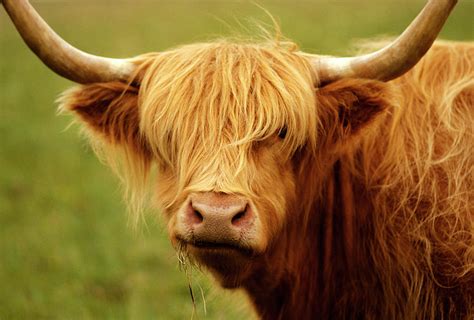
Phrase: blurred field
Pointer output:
(66, 250)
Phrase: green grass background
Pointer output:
(66, 249)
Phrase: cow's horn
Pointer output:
(59, 55)
(396, 58)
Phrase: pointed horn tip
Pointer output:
(61, 57)
(417, 39)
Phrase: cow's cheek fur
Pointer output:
(165, 200)
(274, 185)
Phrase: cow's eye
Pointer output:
(282, 133)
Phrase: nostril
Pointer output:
(194, 216)
(198, 216)
(240, 216)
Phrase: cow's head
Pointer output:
(225, 128)
(220, 123)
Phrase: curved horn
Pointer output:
(396, 58)
(59, 55)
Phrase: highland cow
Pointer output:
(330, 188)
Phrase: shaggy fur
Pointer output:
(367, 199)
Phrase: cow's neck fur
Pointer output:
(325, 265)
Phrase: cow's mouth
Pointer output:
(229, 262)
(220, 247)
(199, 247)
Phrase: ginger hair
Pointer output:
(382, 225)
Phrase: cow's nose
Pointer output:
(216, 217)
(223, 213)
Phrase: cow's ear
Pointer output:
(109, 111)
(351, 108)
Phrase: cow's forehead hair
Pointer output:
(222, 94)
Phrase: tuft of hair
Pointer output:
(227, 96)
